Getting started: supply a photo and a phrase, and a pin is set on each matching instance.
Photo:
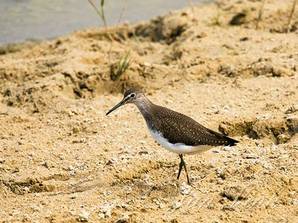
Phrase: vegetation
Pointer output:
(100, 11)
(119, 68)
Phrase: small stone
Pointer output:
(249, 156)
(143, 152)
(45, 164)
(221, 173)
(158, 203)
(142, 142)
(75, 130)
(83, 216)
(295, 202)
(283, 138)
(176, 205)
(123, 219)
(291, 110)
(228, 208)
(185, 189)
(111, 161)
(70, 168)
(35, 208)
(106, 209)
(82, 140)
(227, 148)
(101, 215)
(146, 64)
(234, 193)
(226, 108)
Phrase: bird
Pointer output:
(172, 130)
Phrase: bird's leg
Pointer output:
(188, 181)
(180, 165)
(183, 164)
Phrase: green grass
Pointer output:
(119, 68)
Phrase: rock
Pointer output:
(292, 123)
(228, 208)
(123, 219)
(185, 189)
(227, 70)
(111, 161)
(249, 156)
(221, 173)
(106, 209)
(45, 164)
(174, 220)
(75, 130)
(176, 205)
(283, 138)
(83, 216)
(238, 19)
(233, 193)
(158, 203)
(143, 152)
(291, 110)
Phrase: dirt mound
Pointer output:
(279, 130)
(235, 13)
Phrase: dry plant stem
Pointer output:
(119, 20)
(99, 12)
(291, 15)
(260, 14)
(102, 16)
(102, 2)
(122, 11)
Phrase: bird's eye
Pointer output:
(132, 95)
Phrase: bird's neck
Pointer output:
(146, 108)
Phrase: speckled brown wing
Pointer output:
(179, 128)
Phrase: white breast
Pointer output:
(179, 148)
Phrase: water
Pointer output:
(38, 19)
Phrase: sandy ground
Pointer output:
(63, 160)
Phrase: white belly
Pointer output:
(179, 148)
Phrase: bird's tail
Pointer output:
(230, 141)
(227, 140)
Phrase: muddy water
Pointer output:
(35, 19)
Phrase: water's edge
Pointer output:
(37, 20)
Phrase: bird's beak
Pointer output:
(117, 106)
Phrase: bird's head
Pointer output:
(130, 96)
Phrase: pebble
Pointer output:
(158, 203)
(176, 205)
(84, 216)
(123, 219)
(291, 110)
(249, 156)
(185, 189)
(106, 209)
(146, 64)
(143, 152)
(45, 164)
(111, 161)
(221, 173)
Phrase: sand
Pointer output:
(63, 160)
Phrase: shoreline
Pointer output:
(71, 17)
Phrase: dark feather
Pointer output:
(179, 128)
